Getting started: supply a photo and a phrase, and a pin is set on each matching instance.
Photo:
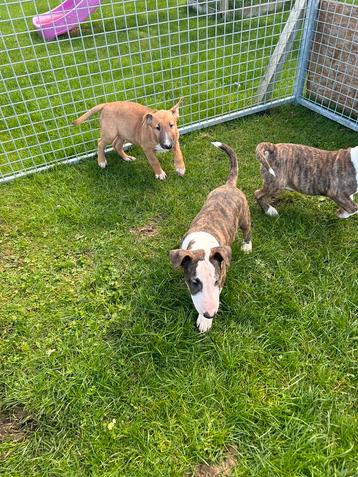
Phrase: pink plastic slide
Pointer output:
(64, 18)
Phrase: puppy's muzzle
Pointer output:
(167, 146)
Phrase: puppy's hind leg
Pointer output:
(118, 146)
(245, 226)
(348, 206)
(101, 158)
(263, 197)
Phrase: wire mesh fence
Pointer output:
(330, 69)
(226, 58)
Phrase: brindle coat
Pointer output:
(225, 210)
(307, 170)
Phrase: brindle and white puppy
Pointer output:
(205, 252)
(310, 171)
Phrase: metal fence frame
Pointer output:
(274, 54)
(308, 34)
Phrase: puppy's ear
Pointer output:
(148, 118)
(221, 254)
(175, 109)
(177, 256)
(180, 257)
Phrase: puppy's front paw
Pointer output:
(162, 176)
(203, 324)
(272, 212)
(343, 214)
(128, 158)
(102, 164)
(180, 171)
(246, 247)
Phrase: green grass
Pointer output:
(152, 52)
(98, 342)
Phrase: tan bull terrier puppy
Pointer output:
(310, 171)
(123, 121)
(205, 251)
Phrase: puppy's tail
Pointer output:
(232, 179)
(89, 113)
(263, 152)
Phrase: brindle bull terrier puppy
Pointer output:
(205, 251)
(152, 130)
(310, 171)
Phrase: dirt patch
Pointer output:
(148, 230)
(222, 469)
(8, 258)
(15, 425)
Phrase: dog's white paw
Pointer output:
(162, 176)
(272, 212)
(247, 247)
(102, 164)
(180, 171)
(203, 324)
(343, 214)
(128, 158)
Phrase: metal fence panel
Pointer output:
(150, 51)
(328, 80)
(217, 54)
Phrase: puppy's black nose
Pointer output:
(208, 316)
(167, 146)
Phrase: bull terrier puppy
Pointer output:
(310, 171)
(123, 121)
(205, 251)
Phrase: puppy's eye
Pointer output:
(157, 127)
(171, 125)
(216, 283)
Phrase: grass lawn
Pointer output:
(102, 371)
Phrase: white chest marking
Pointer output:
(354, 159)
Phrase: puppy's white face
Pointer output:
(204, 286)
(204, 273)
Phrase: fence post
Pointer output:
(224, 7)
(307, 36)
